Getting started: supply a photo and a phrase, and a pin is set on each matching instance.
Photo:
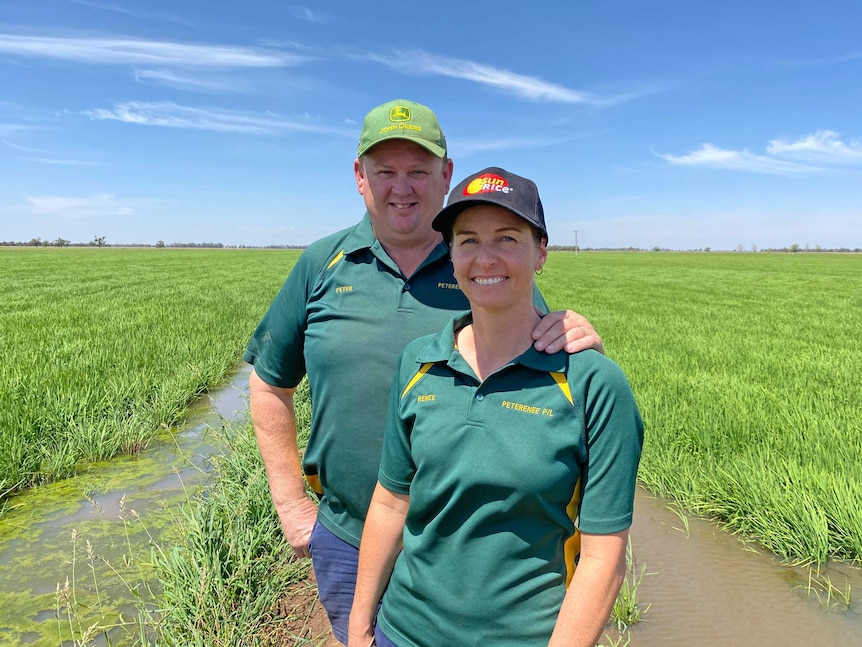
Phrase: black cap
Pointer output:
(494, 186)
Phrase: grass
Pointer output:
(223, 577)
(231, 564)
(104, 347)
(746, 368)
(627, 609)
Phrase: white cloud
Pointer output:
(527, 87)
(23, 149)
(172, 115)
(126, 51)
(712, 156)
(824, 146)
(99, 205)
(62, 162)
(182, 81)
(114, 8)
(14, 128)
(47, 160)
(463, 148)
(309, 15)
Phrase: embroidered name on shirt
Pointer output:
(448, 286)
(426, 398)
(344, 288)
(516, 406)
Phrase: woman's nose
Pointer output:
(486, 254)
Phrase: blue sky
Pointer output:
(676, 124)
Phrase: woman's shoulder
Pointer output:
(589, 366)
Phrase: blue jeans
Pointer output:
(335, 563)
(380, 638)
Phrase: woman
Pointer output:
(492, 453)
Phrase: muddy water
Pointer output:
(705, 588)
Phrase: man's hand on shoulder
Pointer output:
(566, 330)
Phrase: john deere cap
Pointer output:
(498, 187)
(402, 119)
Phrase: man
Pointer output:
(347, 309)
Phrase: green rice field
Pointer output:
(102, 348)
(747, 371)
(746, 367)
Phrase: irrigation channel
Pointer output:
(704, 587)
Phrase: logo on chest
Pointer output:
(526, 408)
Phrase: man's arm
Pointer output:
(380, 545)
(274, 422)
(565, 329)
(592, 591)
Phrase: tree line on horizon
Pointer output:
(101, 241)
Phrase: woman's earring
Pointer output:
(539, 271)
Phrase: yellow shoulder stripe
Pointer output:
(563, 383)
(572, 547)
(419, 375)
(337, 258)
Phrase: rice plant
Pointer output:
(746, 368)
(103, 348)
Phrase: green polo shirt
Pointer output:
(343, 316)
(492, 469)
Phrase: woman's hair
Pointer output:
(538, 234)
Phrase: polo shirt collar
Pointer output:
(362, 238)
(441, 347)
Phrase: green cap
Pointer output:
(402, 119)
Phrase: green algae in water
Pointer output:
(75, 555)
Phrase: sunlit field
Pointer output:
(746, 367)
(747, 370)
(103, 347)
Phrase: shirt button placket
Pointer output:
(476, 415)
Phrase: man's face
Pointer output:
(404, 186)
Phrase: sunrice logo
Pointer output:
(487, 184)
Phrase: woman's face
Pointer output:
(495, 255)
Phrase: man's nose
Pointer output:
(402, 184)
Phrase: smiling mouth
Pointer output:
(489, 281)
(403, 205)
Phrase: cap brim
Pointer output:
(446, 217)
(431, 147)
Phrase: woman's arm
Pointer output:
(380, 545)
(592, 591)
